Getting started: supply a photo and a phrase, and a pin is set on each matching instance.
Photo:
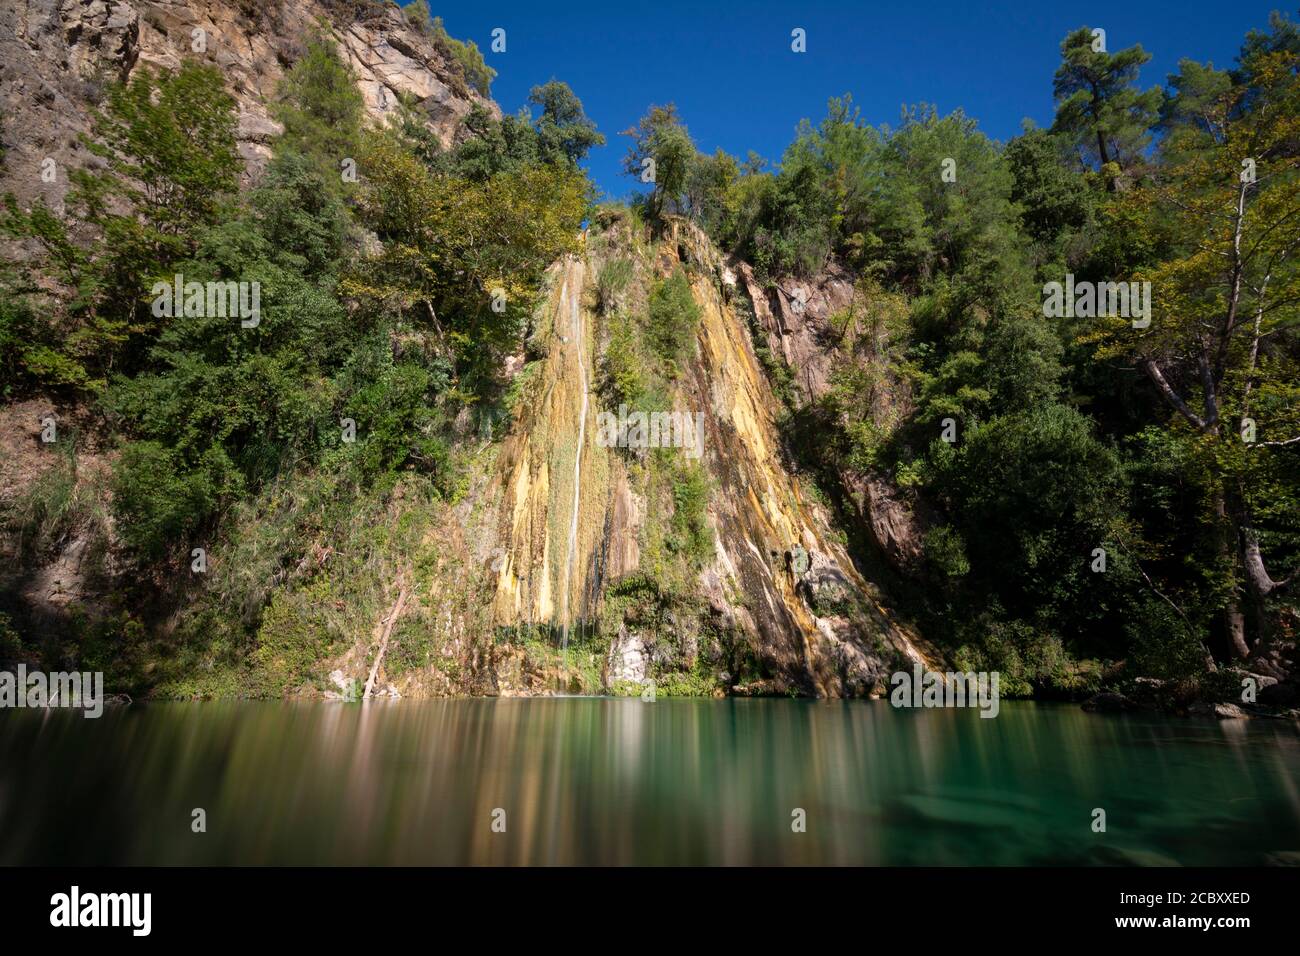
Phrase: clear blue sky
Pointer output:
(737, 85)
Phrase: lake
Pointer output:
(616, 781)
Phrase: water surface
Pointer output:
(626, 782)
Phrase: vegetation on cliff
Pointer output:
(394, 279)
(1094, 488)
(1170, 443)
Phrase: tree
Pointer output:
(1051, 490)
(564, 132)
(710, 191)
(663, 150)
(1222, 345)
(464, 256)
(321, 108)
(1056, 207)
(493, 146)
(1098, 104)
(171, 165)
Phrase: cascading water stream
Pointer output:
(575, 326)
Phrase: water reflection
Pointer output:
(621, 781)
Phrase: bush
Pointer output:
(691, 536)
(623, 374)
(158, 502)
(33, 352)
(672, 321)
(945, 550)
(464, 55)
(398, 423)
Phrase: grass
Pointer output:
(60, 503)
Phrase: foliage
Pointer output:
(564, 132)
(168, 142)
(463, 56)
(671, 321)
(462, 258)
(394, 303)
(1098, 106)
(691, 534)
(662, 149)
(321, 109)
(261, 440)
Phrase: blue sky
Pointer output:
(736, 83)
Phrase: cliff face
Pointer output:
(570, 515)
(56, 56)
(793, 321)
(535, 580)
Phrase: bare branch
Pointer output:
(1157, 377)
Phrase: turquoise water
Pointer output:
(626, 782)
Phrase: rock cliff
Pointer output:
(57, 55)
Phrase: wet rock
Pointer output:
(1109, 702)
(1220, 710)
(825, 588)
(1151, 692)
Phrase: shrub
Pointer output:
(690, 528)
(946, 551)
(158, 502)
(464, 56)
(672, 321)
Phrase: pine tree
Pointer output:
(1098, 104)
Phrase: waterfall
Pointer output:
(575, 328)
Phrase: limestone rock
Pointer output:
(629, 660)
(1109, 702)
(58, 56)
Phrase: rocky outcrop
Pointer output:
(102, 37)
(534, 547)
(794, 315)
(780, 581)
(629, 659)
(58, 55)
(793, 318)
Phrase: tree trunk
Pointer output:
(383, 642)
(1260, 585)
(1233, 618)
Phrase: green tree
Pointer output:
(564, 132)
(1057, 209)
(1031, 495)
(171, 166)
(662, 154)
(711, 190)
(321, 108)
(1221, 347)
(1098, 104)
(462, 257)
